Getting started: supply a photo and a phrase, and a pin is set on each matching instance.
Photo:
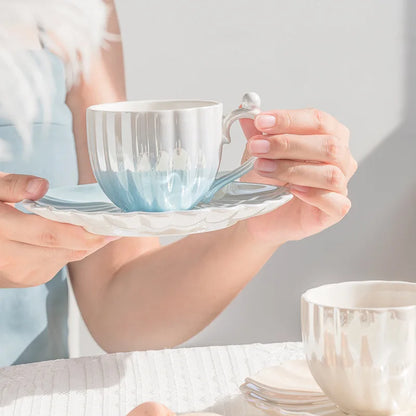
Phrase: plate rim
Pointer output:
(285, 193)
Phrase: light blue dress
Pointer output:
(33, 321)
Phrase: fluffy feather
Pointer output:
(74, 29)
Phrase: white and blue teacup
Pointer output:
(162, 155)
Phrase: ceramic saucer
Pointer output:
(290, 378)
(286, 390)
(282, 410)
(89, 207)
(290, 390)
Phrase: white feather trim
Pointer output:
(74, 29)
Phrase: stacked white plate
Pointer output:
(288, 390)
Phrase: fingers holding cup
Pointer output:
(314, 175)
(317, 148)
(304, 121)
(303, 147)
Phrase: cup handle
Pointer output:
(250, 108)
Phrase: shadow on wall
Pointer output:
(377, 240)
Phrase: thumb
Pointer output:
(15, 188)
(249, 128)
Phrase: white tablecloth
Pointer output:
(185, 379)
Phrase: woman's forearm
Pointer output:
(167, 295)
(133, 293)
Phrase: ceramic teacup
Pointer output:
(360, 344)
(162, 155)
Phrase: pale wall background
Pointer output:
(353, 59)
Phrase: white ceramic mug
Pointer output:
(360, 344)
(162, 155)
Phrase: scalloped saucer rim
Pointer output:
(52, 202)
(233, 203)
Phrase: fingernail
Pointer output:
(34, 187)
(265, 121)
(298, 188)
(259, 146)
(266, 165)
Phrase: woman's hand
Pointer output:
(157, 409)
(33, 249)
(151, 409)
(307, 151)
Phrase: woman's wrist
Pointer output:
(243, 231)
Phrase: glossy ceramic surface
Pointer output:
(360, 343)
(162, 155)
(282, 410)
(287, 389)
(292, 377)
(89, 207)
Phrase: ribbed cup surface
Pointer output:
(363, 358)
(157, 156)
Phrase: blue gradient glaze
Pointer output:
(155, 191)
